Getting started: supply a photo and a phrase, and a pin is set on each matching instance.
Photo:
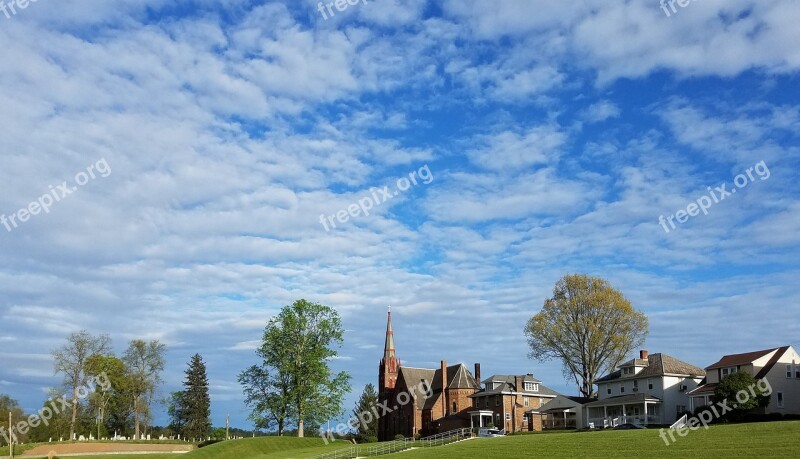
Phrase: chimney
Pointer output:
(478, 373)
(444, 388)
(518, 384)
(643, 354)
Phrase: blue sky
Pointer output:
(556, 135)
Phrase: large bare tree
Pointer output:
(71, 360)
(589, 326)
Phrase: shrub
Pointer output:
(399, 437)
(209, 442)
(372, 439)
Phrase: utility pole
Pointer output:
(10, 437)
(227, 427)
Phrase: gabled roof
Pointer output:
(746, 358)
(658, 365)
(781, 350)
(739, 359)
(412, 377)
(458, 377)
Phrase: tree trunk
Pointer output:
(136, 418)
(74, 413)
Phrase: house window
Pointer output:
(455, 408)
(486, 402)
(621, 388)
(608, 389)
(635, 385)
(681, 409)
(788, 371)
(780, 399)
(526, 401)
(728, 371)
(496, 400)
(475, 403)
(531, 387)
(649, 384)
(508, 416)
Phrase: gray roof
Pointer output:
(657, 365)
(458, 377)
(561, 403)
(508, 384)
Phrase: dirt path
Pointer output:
(90, 448)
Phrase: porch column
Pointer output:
(624, 413)
(605, 412)
(646, 418)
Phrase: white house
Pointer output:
(652, 389)
(780, 367)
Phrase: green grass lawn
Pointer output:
(761, 440)
(265, 447)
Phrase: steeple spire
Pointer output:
(388, 349)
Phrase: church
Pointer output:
(422, 401)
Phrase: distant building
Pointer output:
(422, 401)
(780, 367)
(652, 389)
(505, 402)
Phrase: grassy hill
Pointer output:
(265, 447)
(773, 439)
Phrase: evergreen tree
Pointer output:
(364, 412)
(196, 409)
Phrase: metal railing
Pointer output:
(388, 447)
(345, 453)
(445, 438)
(379, 449)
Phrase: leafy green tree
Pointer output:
(71, 360)
(9, 405)
(175, 410)
(111, 388)
(268, 395)
(365, 404)
(589, 326)
(738, 389)
(58, 424)
(196, 404)
(297, 344)
(145, 362)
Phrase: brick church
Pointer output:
(428, 401)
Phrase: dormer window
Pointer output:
(728, 371)
(531, 387)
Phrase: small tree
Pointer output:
(71, 360)
(366, 403)
(589, 326)
(738, 389)
(176, 412)
(268, 395)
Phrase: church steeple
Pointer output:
(389, 363)
(388, 349)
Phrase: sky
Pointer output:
(175, 169)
